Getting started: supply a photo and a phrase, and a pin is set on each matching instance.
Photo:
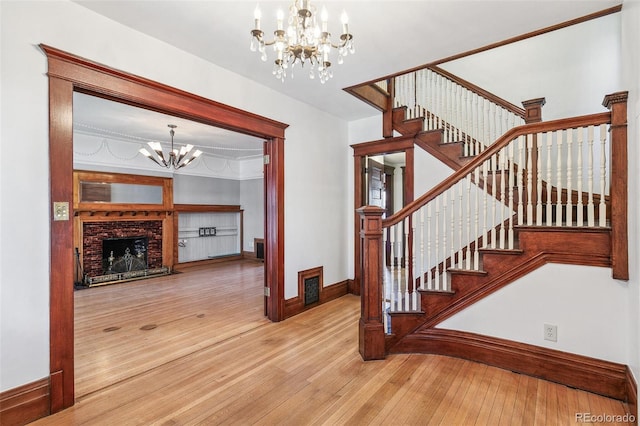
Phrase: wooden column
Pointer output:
(61, 273)
(371, 328)
(387, 115)
(618, 194)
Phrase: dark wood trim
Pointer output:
(383, 146)
(306, 274)
(274, 228)
(372, 94)
(61, 277)
(371, 342)
(632, 393)
(68, 73)
(618, 155)
(206, 208)
(295, 305)
(565, 24)
(533, 110)
(589, 374)
(24, 404)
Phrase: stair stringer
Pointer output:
(537, 247)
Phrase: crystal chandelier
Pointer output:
(302, 40)
(176, 159)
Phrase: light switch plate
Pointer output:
(60, 210)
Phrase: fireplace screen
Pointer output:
(124, 254)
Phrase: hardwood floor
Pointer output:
(214, 359)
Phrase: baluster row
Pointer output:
(530, 180)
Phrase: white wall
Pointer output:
(589, 309)
(252, 202)
(315, 170)
(573, 68)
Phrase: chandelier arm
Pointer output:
(155, 160)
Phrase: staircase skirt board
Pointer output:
(593, 375)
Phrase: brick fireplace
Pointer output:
(93, 234)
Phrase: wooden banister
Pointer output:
(547, 126)
(480, 91)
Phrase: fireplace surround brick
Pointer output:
(94, 232)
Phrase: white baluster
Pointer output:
(549, 187)
(476, 123)
(460, 221)
(445, 246)
(485, 212)
(539, 182)
(580, 206)
(385, 287)
(453, 226)
(407, 296)
(521, 168)
(476, 255)
(559, 137)
(422, 236)
(392, 268)
(467, 130)
(416, 279)
(494, 195)
(569, 207)
(427, 267)
(436, 277)
(467, 251)
(590, 207)
(529, 180)
(602, 214)
(399, 281)
(511, 186)
(503, 196)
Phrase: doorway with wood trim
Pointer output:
(68, 73)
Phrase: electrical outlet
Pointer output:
(551, 332)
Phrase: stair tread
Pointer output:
(444, 292)
(462, 271)
(500, 251)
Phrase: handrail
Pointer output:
(480, 91)
(545, 126)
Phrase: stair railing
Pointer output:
(554, 173)
(464, 111)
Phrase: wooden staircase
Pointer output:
(545, 220)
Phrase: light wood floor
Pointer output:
(214, 359)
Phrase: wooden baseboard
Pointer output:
(295, 305)
(593, 375)
(182, 265)
(25, 403)
(632, 394)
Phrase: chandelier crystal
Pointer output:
(176, 158)
(302, 41)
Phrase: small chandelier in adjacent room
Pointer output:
(176, 158)
(303, 40)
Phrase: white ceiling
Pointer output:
(389, 36)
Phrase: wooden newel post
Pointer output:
(617, 104)
(533, 110)
(371, 328)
